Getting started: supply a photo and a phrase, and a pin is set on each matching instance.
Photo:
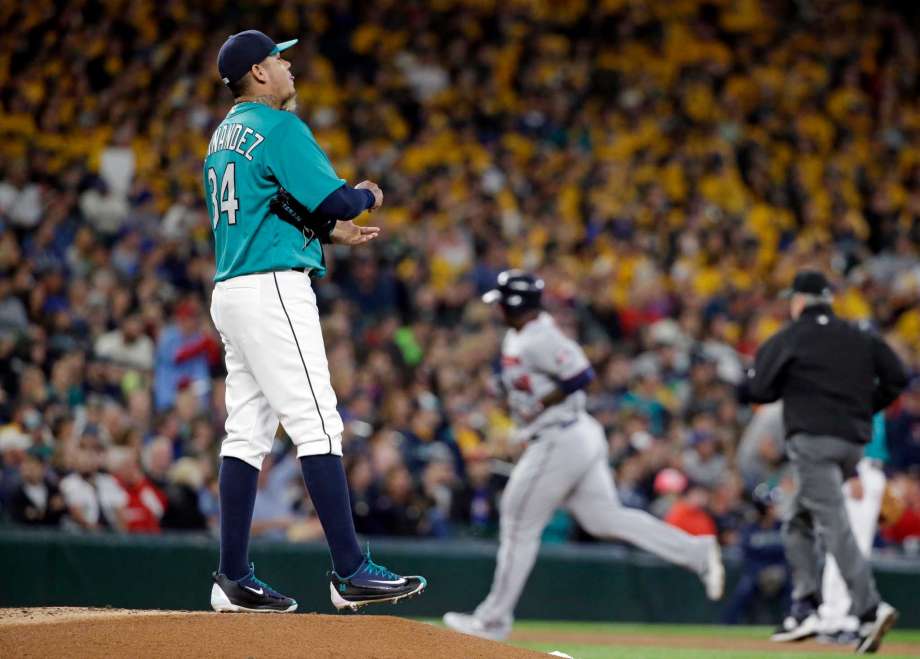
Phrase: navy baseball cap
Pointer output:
(240, 51)
(809, 282)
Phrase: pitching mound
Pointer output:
(98, 633)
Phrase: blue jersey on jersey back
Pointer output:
(254, 152)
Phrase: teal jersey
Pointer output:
(877, 447)
(254, 152)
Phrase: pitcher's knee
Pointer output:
(324, 445)
(243, 450)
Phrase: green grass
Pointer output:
(735, 631)
(633, 652)
(604, 649)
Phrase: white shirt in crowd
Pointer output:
(137, 354)
(22, 205)
(101, 497)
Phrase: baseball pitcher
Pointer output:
(565, 462)
(274, 200)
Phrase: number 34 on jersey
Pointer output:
(226, 201)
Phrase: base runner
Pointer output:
(565, 463)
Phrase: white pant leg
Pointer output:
(272, 323)
(251, 423)
(597, 508)
(863, 515)
(545, 474)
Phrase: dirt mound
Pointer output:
(97, 633)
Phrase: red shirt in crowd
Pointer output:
(908, 526)
(690, 518)
(144, 507)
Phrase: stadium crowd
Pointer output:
(666, 167)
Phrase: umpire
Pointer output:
(832, 377)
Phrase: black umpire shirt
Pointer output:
(831, 375)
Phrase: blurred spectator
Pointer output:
(93, 498)
(902, 523)
(21, 199)
(399, 510)
(105, 210)
(156, 459)
(689, 513)
(475, 504)
(13, 318)
(438, 484)
(762, 446)
(182, 493)
(765, 573)
(363, 493)
(127, 345)
(181, 357)
(280, 485)
(903, 428)
(669, 485)
(144, 503)
(37, 501)
(702, 462)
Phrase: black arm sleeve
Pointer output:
(345, 203)
(763, 383)
(890, 373)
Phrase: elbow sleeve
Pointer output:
(345, 203)
(580, 381)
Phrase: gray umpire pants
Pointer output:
(820, 464)
(567, 466)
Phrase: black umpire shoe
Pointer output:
(874, 626)
(248, 594)
(801, 623)
(372, 584)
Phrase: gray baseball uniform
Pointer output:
(565, 463)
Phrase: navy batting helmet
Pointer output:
(516, 291)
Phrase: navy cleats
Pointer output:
(248, 594)
(372, 584)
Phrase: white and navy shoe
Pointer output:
(248, 594)
(372, 584)
(714, 576)
(473, 626)
(801, 623)
(873, 628)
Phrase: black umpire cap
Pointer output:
(240, 51)
(517, 290)
(809, 282)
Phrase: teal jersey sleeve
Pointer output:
(877, 447)
(299, 164)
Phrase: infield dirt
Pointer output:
(102, 633)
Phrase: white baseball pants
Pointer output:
(863, 515)
(568, 466)
(276, 366)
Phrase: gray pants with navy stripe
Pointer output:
(821, 464)
(568, 467)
